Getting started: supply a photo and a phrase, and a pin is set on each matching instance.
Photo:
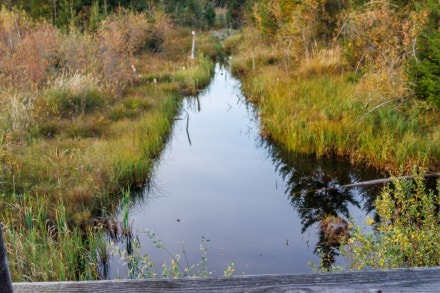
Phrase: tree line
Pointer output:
(85, 13)
(388, 35)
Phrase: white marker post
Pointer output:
(193, 44)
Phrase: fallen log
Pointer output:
(366, 183)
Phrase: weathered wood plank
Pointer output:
(399, 280)
(5, 278)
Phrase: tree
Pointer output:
(235, 13)
(424, 71)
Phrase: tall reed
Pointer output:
(44, 249)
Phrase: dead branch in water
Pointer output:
(366, 183)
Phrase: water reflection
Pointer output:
(313, 188)
(217, 178)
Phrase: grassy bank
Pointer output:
(315, 106)
(81, 121)
(344, 81)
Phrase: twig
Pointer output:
(414, 49)
(187, 131)
(379, 106)
(379, 2)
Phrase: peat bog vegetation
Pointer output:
(84, 115)
(87, 106)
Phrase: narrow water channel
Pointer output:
(259, 207)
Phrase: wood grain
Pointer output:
(399, 280)
(5, 278)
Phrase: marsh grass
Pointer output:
(313, 107)
(194, 78)
(86, 132)
(44, 248)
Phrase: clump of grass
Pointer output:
(16, 106)
(42, 249)
(73, 96)
(193, 78)
(130, 107)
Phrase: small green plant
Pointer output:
(230, 270)
(125, 206)
(322, 267)
(142, 267)
(407, 232)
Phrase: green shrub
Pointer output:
(48, 129)
(406, 232)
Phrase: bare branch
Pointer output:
(379, 106)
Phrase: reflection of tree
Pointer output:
(313, 203)
(308, 181)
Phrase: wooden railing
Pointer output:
(398, 280)
(5, 278)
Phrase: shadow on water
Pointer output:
(313, 187)
(218, 176)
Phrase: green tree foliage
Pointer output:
(65, 13)
(194, 13)
(87, 13)
(285, 16)
(235, 12)
(425, 69)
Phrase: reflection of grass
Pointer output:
(141, 266)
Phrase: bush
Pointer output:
(79, 53)
(379, 36)
(123, 35)
(28, 51)
(407, 230)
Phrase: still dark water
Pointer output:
(219, 179)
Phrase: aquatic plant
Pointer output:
(44, 249)
(142, 267)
